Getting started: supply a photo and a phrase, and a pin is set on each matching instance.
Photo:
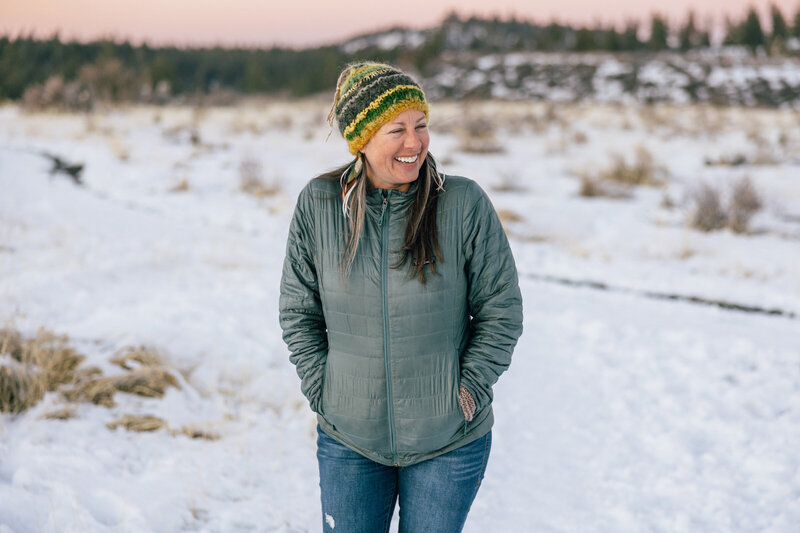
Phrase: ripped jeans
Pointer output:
(359, 495)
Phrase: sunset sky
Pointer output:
(306, 22)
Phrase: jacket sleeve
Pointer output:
(494, 299)
(300, 309)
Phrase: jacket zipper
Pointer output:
(384, 223)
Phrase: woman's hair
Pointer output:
(421, 242)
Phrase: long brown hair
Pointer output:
(421, 241)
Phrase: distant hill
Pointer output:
(459, 58)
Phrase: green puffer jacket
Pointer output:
(381, 356)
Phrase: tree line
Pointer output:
(54, 72)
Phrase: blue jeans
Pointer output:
(359, 495)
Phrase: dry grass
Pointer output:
(509, 182)
(252, 182)
(667, 202)
(120, 149)
(760, 157)
(711, 214)
(147, 423)
(642, 171)
(21, 387)
(620, 176)
(731, 160)
(580, 137)
(197, 433)
(181, 186)
(508, 216)
(29, 368)
(34, 366)
(138, 423)
(98, 391)
(60, 414)
(595, 187)
(140, 355)
(708, 214)
(149, 382)
(476, 135)
(745, 202)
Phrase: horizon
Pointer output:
(249, 24)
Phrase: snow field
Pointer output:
(619, 413)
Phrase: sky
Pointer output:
(300, 23)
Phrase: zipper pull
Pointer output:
(383, 210)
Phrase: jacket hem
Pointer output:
(474, 432)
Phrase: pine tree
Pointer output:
(612, 41)
(255, 78)
(584, 40)
(780, 31)
(658, 33)
(688, 36)
(733, 33)
(630, 37)
(552, 37)
(752, 34)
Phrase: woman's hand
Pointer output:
(467, 403)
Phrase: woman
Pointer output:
(400, 307)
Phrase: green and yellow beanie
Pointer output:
(368, 95)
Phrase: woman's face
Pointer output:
(396, 152)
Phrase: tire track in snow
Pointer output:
(597, 285)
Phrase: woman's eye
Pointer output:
(422, 126)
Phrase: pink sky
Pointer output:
(305, 22)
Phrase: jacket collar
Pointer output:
(397, 199)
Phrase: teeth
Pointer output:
(407, 159)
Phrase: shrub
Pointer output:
(708, 214)
(745, 202)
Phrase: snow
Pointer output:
(706, 76)
(621, 411)
(385, 41)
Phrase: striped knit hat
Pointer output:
(368, 95)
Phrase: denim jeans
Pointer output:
(359, 495)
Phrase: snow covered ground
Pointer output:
(622, 412)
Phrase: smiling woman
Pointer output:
(401, 308)
(396, 152)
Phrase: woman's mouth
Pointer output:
(412, 159)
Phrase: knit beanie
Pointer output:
(368, 95)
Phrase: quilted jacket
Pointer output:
(380, 355)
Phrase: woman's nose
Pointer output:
(412, 140)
